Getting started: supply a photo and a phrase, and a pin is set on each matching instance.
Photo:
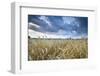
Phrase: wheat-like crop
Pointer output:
(51, 49)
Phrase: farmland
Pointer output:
(53, 49)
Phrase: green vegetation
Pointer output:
(51, 49)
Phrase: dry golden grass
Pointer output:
(44, 49)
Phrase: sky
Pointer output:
(57, 26)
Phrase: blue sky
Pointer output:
(65, 26)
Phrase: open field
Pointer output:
(51, 49)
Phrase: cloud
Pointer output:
(61, 32)
(46, 20)
(59, 26)
(76, 24)
(36, 34)
(34, 25)
(72, 21)
(74, 32)
(68, 20)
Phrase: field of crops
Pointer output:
(51, 49)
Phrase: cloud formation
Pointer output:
(61, 26)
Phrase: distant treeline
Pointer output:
(59, 38)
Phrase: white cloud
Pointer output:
(68, 20)
(35, 34)
(46, 20)
(76, 24)
(60, 32)
(34, 25)
(74, 32)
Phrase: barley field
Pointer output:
(53, 49)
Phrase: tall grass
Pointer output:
(50, 49)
